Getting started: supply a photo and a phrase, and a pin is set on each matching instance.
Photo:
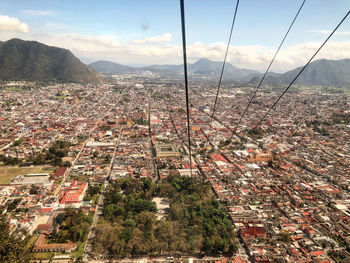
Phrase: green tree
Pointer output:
(285, 236)
(13, 249)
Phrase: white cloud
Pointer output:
(12, 24)
(327, 32)
(163, 38)
(108, 47)
(298, 55)
(38, 12)
(258, 57)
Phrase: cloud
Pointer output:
(12, 24)
(163, 38)
(108, 47)
(298, 55)
(327, 32)
(258, 57)
(38, 12)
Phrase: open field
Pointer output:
(43, 255)
(8, 172)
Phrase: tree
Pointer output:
(108, 238)
(67, 164)
(34, 189)
(285, 236)
(74, 227)
(59, 219)
(14, 204)
(145, 221)
(17, 142)
(13, 249)
(195, 223)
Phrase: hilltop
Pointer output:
(34, 61)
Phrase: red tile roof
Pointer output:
(46, 210)
(74, 192)
(60, 171)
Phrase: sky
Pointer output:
(145, 32)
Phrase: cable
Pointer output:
(224, 63)
(301, 71)
(268, 68)
(182, 7)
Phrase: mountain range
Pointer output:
(201, 67)
(34, 61)
(321, 72)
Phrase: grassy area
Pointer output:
(96, 199)
(43, 255)
(335, 89)
(346, 91)
(79, 251)
(48, 169)
(61, 97)
(32, 240)
(8, 172)
(18, 89)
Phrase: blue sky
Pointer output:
(148, 31)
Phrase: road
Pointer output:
(8, 145)
(153, 163)
(242, 249)
(99, 206)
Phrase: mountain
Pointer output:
(207, 67)
(110, 68)
(321, 72)
(201, 67)
(272, 79)
(34, 61)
